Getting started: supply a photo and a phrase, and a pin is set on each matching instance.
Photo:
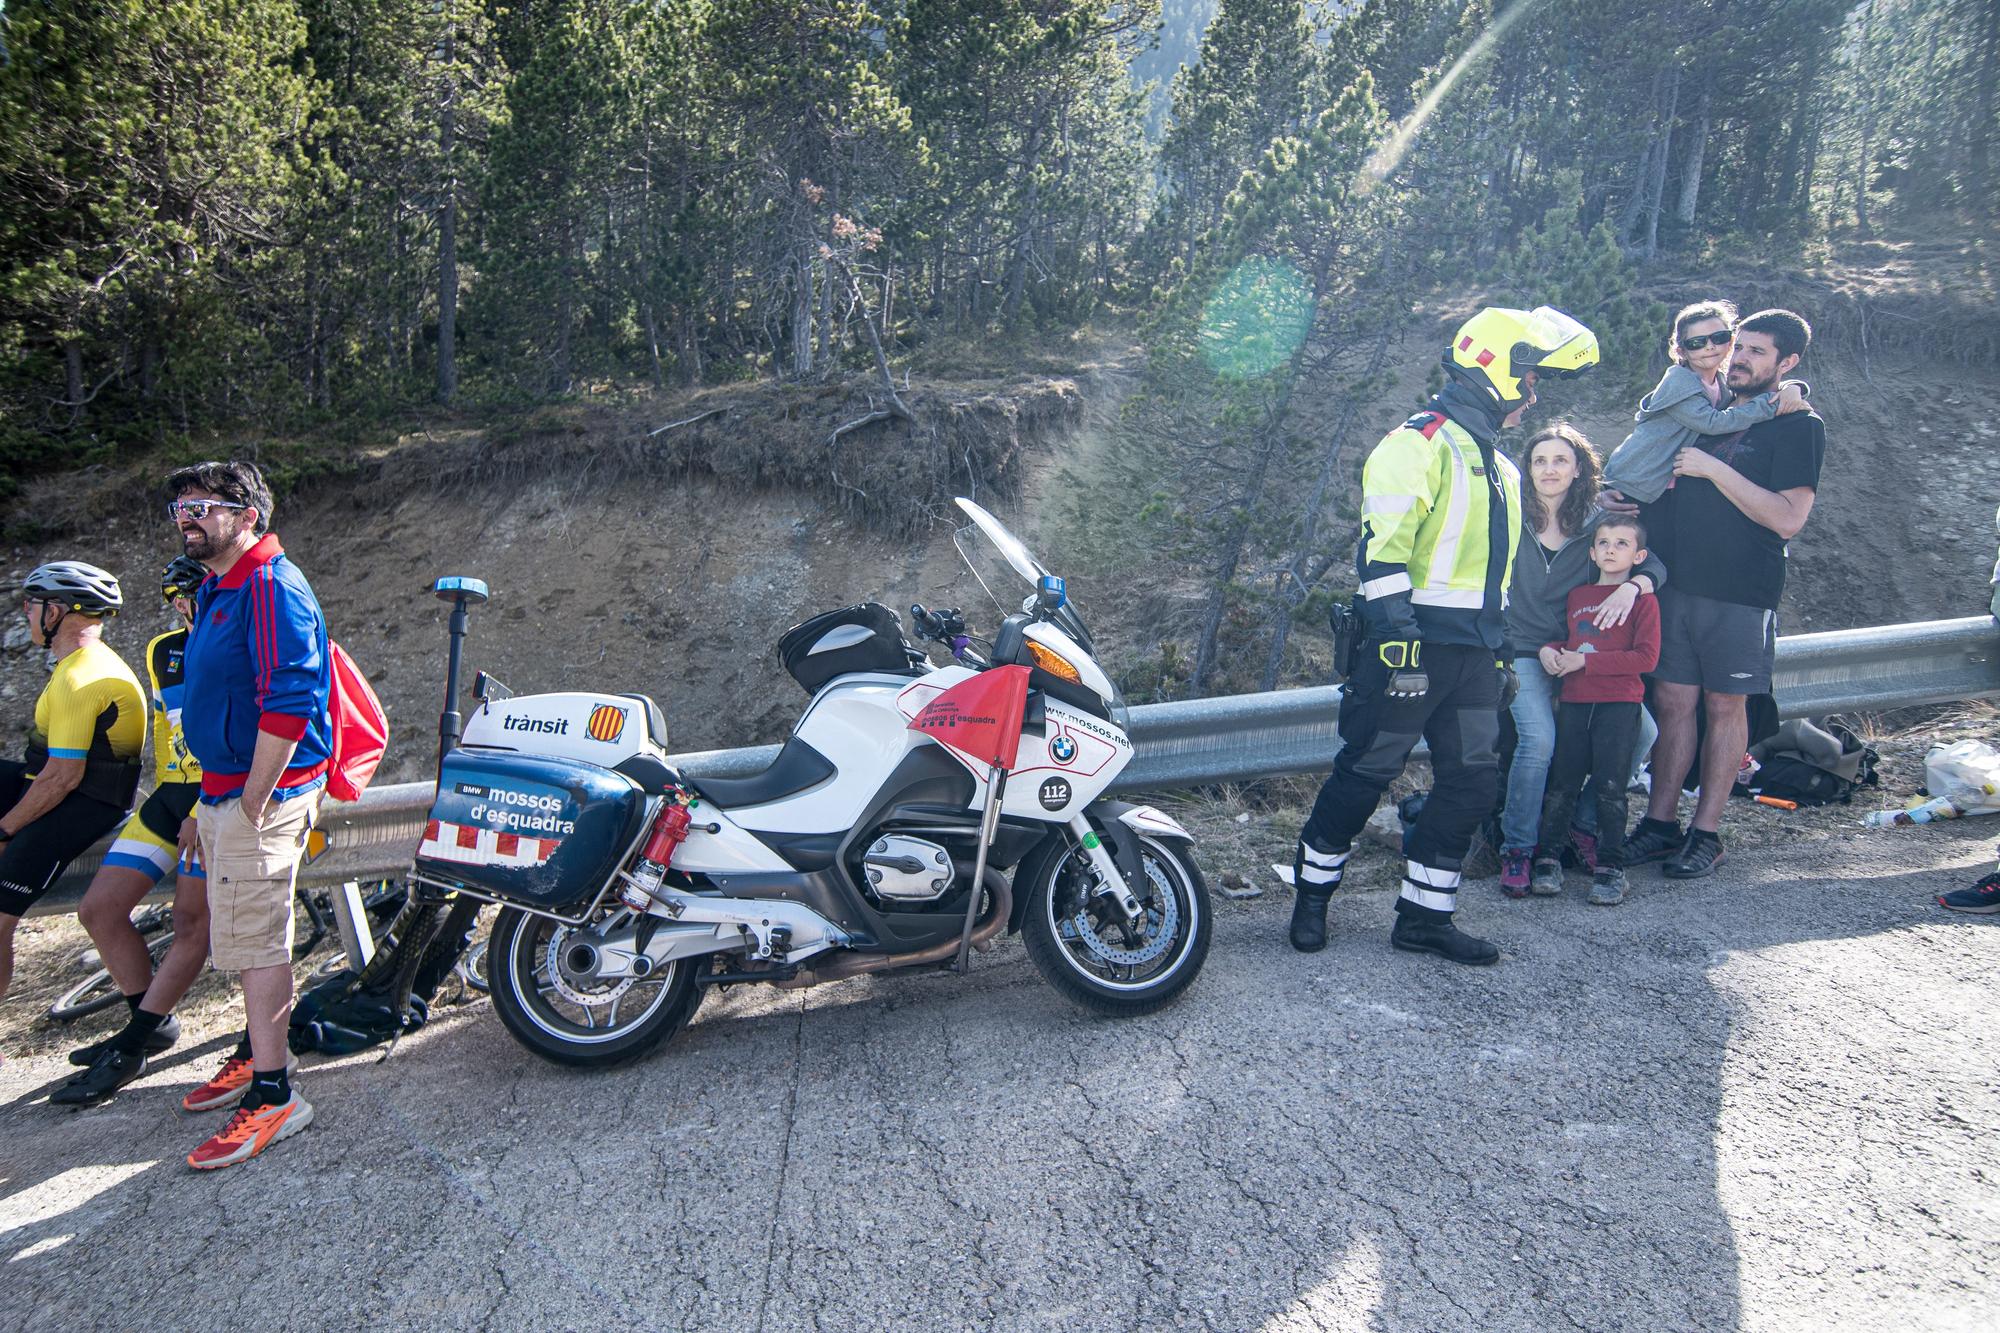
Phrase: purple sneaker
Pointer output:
(1514, 871)
(1585, 845)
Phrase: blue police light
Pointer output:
(453, 586)
(1051, 586)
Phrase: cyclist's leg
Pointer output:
(135, 863)
(106, 914)
(32, 859)
(189, 951)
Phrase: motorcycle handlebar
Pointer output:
(947, 627)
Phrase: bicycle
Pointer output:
(97, 992)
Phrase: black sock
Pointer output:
(1663, 825)
(132, 1001)
(142, 1025)
(268, 1089)
(242, 1051)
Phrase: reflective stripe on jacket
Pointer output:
(1436, 551)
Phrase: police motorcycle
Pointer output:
(915, 813)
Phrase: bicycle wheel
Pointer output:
(98, 992)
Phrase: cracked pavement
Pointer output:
(1766, 1101)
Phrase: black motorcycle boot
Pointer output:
(1433, 932)
(1316, 874)
(1309, 919)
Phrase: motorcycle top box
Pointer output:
(600, 729)
(532, 830)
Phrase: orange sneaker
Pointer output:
(250, 1131)
(226, 1088)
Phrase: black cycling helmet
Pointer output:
(75, 586)
(182, 577)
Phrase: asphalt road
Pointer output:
(1768, 1101)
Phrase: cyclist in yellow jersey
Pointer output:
(158, 838)
(82, 763)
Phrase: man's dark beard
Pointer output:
(199, 544)
(1752, 390)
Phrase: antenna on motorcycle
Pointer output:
(461, 592)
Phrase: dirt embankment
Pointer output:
(627, 557)
(620, 557)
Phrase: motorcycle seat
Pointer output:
(653, 774)
(797, 767)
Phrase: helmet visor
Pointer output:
(1556, 345)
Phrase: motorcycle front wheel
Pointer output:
(1078, 944)
(571, 1019)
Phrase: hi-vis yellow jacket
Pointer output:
(1440, 518)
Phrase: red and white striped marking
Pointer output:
(468, 844)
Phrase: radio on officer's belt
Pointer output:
(1344, 619)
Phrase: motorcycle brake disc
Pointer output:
(558, 976)
(1108, 944)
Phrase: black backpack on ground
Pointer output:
(1813, 764)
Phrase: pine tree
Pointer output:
(153, 158)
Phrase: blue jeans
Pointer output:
(1534, 713)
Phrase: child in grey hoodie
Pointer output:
(1687, 404)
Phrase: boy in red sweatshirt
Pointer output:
(1598, 717)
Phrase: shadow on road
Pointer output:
(1354, 1140)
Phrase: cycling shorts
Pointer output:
(31, 860)
(150, 840)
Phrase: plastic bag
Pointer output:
(1967, 773)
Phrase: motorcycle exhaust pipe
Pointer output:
(854, 965)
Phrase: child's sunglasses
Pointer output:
(1701, 340)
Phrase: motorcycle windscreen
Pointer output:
(525, 829)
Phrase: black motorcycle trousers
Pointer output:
(1460, 717)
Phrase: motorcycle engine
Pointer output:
(907, 870)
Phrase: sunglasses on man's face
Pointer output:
(197, 509)
(1701, 340)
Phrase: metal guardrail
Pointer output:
(1237, 737)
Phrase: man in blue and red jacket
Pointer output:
(254, 711)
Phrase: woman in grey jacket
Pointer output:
(1558, 510)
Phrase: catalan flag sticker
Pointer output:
(607, 722)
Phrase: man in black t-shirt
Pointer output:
(1737, 500)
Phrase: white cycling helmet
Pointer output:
(75, 586)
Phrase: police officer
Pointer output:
(1440, 518)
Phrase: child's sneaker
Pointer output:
(1547, 879)
(1983, 897)
(1585, 846)
(1514, 871)
(1607, 886)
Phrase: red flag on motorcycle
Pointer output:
(980, 718)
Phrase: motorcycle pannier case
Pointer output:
(526, 829)
(868, 637)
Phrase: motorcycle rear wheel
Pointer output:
(1074, 942)
(610, 1026)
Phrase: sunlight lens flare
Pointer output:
(1256, 319)
(1390, 154)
